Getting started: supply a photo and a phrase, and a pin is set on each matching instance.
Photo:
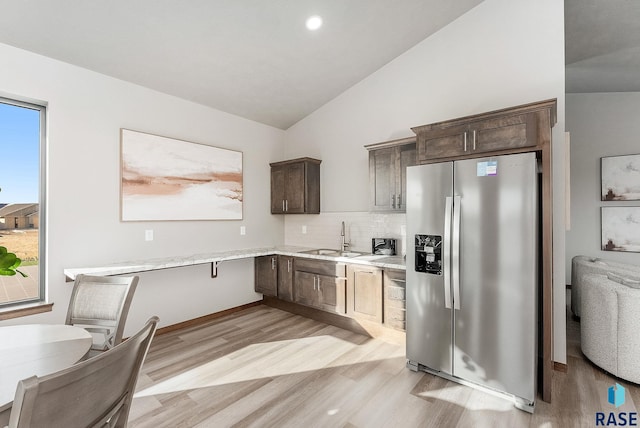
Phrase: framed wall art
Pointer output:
(621, 229)
(167, 179)
(620, 178)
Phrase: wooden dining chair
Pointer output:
(101, 304)
(94, 393)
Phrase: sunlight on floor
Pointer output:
(482, 400)
(266, 360)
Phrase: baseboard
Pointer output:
(204, 319)
(560, 367)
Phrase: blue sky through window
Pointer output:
(19, 159)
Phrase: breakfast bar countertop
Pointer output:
(145, 265)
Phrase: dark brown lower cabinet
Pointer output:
(361, 292)
(305, 289)
(266, 275)
(320, 284)
(364, 292)
(285, 278)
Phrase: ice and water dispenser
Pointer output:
(428, 254)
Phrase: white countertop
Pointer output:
(135, 266)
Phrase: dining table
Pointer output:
(36, 349)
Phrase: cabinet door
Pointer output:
(278, 180)
(382, 179)
(305, 289)
(442, 143)
(295, 186)
(364, 292)
(266, 275)
(331, 295)
(503, 133)
(285, 278)
(395, 303)
(406, 157)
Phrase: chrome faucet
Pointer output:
(345, 245)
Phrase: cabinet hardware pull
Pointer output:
(273, 263)
(286, 205)
(393, 201)
(288, 265)
(465, 141)
(400, 200)
(474, 139)
(283, 206)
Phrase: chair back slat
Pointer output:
(102, 303)
(95, 392)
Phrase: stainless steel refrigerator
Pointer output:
(472, 272)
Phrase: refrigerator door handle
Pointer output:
(455, 252)
(446, 268)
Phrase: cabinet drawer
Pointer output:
(320, 267)
(395, 293)
(396, 314)
(395, 318)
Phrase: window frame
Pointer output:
(42, 209)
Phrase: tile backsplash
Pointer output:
(323, 230)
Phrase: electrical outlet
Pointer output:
(243, 230)
(148, 235)
(304, 229)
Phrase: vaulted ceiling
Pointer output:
(251, 58)
(602, 45)
(256, 59)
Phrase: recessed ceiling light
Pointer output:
(314, 22)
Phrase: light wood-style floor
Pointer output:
(264, 367)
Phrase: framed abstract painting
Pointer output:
(620, 178)
(167, 179)
(621, 229)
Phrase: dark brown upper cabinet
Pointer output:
(388, 164)
(295, 186)
(497, 132)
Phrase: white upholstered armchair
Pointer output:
(582, 266)
(610, 322)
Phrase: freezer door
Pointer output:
(429, 317)
(496, 324)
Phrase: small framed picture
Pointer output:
(620, 178)
(620, 231)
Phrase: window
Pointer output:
(22, 148)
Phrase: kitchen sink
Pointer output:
(334, 253)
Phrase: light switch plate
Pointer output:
(148, 235)
(304, 229)
(243, 230)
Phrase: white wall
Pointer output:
(501, 53)
(85, 113)
(601, 124)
